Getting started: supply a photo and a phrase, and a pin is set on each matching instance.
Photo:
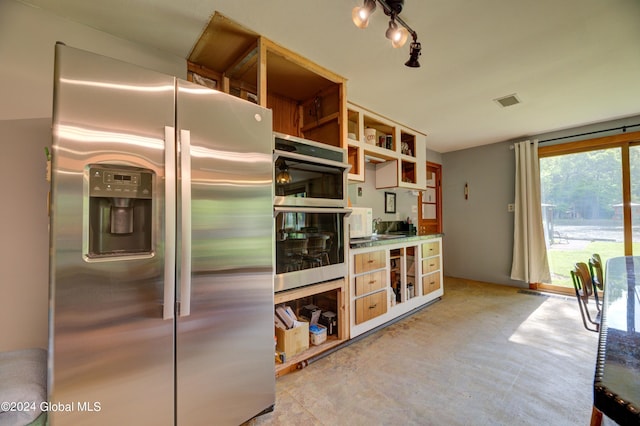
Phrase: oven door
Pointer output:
(301, 180)
(310, 246)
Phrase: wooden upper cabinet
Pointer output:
(307, 100)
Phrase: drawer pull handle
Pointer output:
(370, 261)
(372, 282)
(373, 306)
(432, 264)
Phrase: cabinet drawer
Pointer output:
(430, 249)
(430, 283)
(369, 261)
(370, 282)
(371, 306)
(430, 265)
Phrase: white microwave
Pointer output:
(361, 222)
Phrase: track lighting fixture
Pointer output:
(360, 15)
(397, 35)
(414, 54)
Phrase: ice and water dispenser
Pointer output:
(120, 211)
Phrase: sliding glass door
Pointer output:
(582, 199)
(590, 201)
(634, 188)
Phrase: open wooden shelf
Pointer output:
(298, 361)
(307, 100)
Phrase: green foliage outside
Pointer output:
(586, 185)
(582, 189)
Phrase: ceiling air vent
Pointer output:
(507, 101)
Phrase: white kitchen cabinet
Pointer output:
(431, 259)
(398, 152)
(390, 279)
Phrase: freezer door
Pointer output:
(111, 351)
(225, 368)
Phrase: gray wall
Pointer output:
(27, 39)
(479, 231)
(24, 248)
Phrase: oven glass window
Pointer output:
(308, 240)
(296, 178)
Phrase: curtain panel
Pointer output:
(530, 262)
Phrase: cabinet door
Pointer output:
(369, 261)
(371, 306)
(387, 174)
(370, 282)
(430, 249)
(430, 283)
(431, 264)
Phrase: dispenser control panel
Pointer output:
(119, 182)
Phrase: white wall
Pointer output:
(27, 39)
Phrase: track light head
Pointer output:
(360, 15)
(398, 36)
(414, 55)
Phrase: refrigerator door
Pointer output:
(224, 363)
(111, 351)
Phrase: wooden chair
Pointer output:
(584, 290)
(316, 251)
(597, 276)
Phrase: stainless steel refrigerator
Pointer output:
(161, 253)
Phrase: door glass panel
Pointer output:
(634, 166)
(582, 209)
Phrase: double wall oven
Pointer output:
(310, 208)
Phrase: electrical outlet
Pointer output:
(511, 208)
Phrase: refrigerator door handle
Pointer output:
(185, 228)
(170, 223)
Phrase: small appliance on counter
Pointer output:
(361, 222)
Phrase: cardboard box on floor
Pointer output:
(294, 340)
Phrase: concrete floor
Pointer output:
(483, 355)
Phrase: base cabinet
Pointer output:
(390, 280)
(431, 267)
(328, 296)
(430, 283)
(369, 285)
(371, 306)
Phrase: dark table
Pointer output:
(617, 377)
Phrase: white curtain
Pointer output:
(530, 263)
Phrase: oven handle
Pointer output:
(294, 156)
(278, 209)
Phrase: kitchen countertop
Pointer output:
(617, 378)
(385, 239)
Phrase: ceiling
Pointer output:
(570, 62)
